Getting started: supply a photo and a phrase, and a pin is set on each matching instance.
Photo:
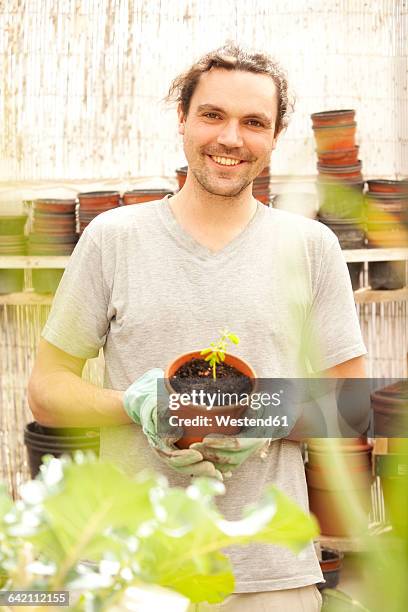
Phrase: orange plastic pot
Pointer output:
(196, 432)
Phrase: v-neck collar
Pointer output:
(189, 243)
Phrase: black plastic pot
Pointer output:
(386, 274)
(40, 441)
(354, 269)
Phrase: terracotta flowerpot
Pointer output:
(390, 407)
(384, 186)
(333, 118)
(341, 172)
(56, 206)
(138, 196)
(102, 200)
(326, 494)
(342, 157)
(336, 137)
(195, 433)
(330, 565)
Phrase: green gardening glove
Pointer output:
(227, 452)
(140, 403)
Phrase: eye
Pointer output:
(254, 123)
(212, 115)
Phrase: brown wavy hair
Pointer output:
(232, 57)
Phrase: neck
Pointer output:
(193, 202)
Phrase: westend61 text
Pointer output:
(209, 400)
(228, 421)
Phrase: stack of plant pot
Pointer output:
(340, 182)
(138, 196)
(387, 217)
(327, 493)
(260, 187)
(390, 408)
(12, 242)
(330, 564)
(53, 232)
(93, 203)
(40, 441)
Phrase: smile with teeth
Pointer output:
(225, 161)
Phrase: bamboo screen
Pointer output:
(82, 80)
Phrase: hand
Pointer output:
(140, 403)
(227, 452)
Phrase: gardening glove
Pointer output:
(140, 403)
(227, 452)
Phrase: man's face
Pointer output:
(229, 129)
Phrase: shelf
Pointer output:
(26, 298)
(369, 296)
(58, 261)
(33, 261)
(358, 255)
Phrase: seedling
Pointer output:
(216, 351)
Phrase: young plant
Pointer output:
(216, 351)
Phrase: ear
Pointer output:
(181, 119)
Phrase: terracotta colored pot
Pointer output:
(342, 157)
(137, 196)
(335, 138)
(56, 206)
(325, 495)
(330, 565)
(194, 433)
(387, 186)
(390, 407)
(102, 200)
(379, 208)
(333, 118)
(341, 172)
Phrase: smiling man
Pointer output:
(148, 282)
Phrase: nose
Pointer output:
(230, 135)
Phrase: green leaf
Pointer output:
(233, 338)
(206, 351)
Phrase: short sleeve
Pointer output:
(78, 322)
(332, 332)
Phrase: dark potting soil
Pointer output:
(197, 375)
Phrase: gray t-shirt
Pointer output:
(144, 290)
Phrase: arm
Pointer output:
(58, 396)
(353, 368)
